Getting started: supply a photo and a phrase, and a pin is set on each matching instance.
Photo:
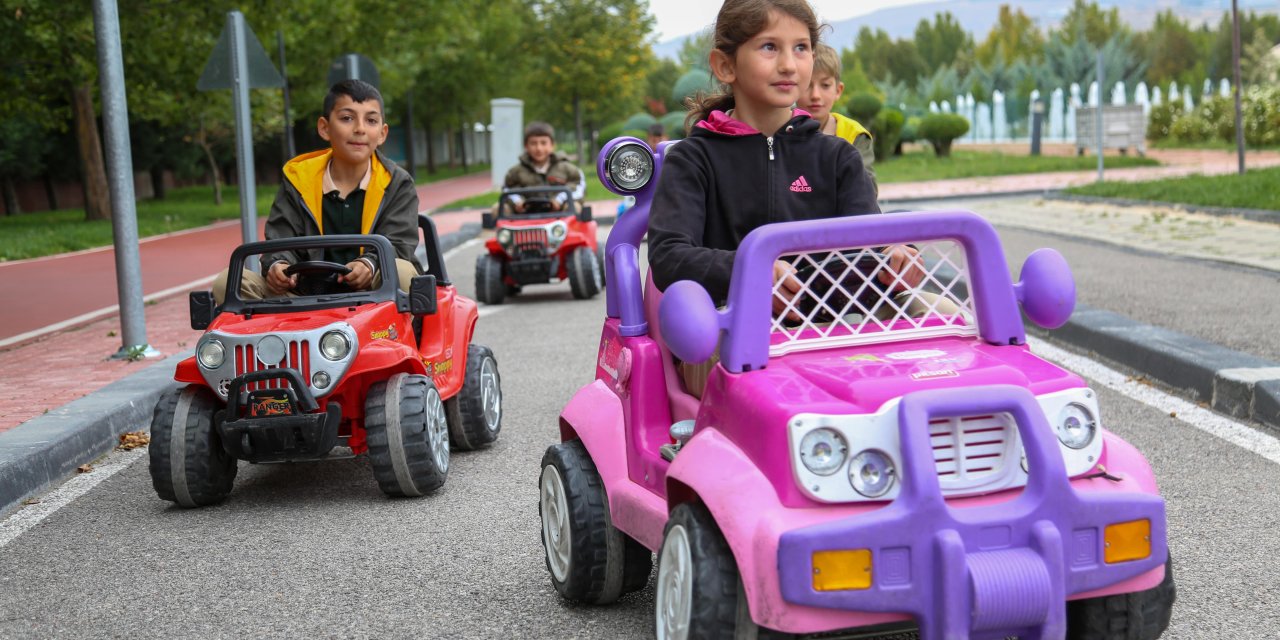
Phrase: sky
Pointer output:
(680, 17)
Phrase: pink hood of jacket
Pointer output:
(722, 123)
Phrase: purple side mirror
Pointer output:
(690, 322)
(1047, 291)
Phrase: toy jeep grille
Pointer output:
(529, 239)
(969, 450)
(297, 357)
(843, 302)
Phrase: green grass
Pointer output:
(1256, 189)
(1211, 145)
(445, 172)
(31, 235)
(595, 191)
(920, 165)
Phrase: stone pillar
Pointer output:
(507, 141)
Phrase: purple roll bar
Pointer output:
(624, 297)
(747, 319)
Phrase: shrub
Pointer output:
(640, 121)
(886, 129)
(941, 129)
(674, 122)
(1191, 128)
(1161, 120)
(612, 131)
(690, 84)
(863, 107)
(910, 130)
(1261, 115)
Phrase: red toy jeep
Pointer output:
(539, 245)
(291, 378)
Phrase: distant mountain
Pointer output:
(978, 16)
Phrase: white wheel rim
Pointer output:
(556, 536)
(438, 430)
(490, 394)
(675, 586)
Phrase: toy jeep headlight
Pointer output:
(334, 345)
(557, 232)
(504, 236)
(211, 354)
(630, 166)
(823, 451)
(1076, 426)
(871, 473)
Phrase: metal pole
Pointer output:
(290, 149)
(119, 158)
(244, 130)
(1097, 118)
(1235, 64)
(353, 66)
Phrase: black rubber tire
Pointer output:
(490, 289)
(604, 563)
(719, 608)
(585, 276)
(188, 464)
(397, 416)
(469, 427)
(1142, 615)
(604, 279)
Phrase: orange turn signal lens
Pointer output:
(842, 570)
(1125, 541)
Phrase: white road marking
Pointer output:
(35, 513)
(462, 247)
(1203, 419)
(488, 309)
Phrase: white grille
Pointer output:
(969, 450)
(297, 356)
(842, 301)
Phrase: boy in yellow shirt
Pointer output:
(824, 90)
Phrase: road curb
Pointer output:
(1237, 384)
(44, 450)
(1256, 215)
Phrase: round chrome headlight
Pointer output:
(558, 230)
(211, 354)
(334, 345)
(871, 473)
(630, 166)
(504, 236)
(320, 380)
(1076, 426)
(823, 451)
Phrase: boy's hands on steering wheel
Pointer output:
(904, 261)
(784, 274)
(361, 276)
(277, 281)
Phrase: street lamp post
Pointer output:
(1235, 64)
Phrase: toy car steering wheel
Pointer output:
(538, 205)
(864, 270)
(317, 277)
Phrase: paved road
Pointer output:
(316, 550)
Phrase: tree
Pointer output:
(695, 51)
(1171, 50)
(1088, 21)
(1014, 37)
(882, 57)
(49, 45)
(1258, 65)
(658, 84)
(941, 42)
(594, 55)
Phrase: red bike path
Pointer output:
(70, 289)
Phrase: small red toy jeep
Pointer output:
(291, 378)
(539, 245)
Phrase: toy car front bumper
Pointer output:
(990, 571)
(276, 424)
(531, 269)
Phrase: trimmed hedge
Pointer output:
(941, 129)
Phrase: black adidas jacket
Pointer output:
(716, 188)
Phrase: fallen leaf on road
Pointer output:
(133, 439)
(30, 501)
(84, 468)
(1173, 414)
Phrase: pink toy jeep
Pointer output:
(878, 458)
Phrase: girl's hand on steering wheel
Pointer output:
(905, 262)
